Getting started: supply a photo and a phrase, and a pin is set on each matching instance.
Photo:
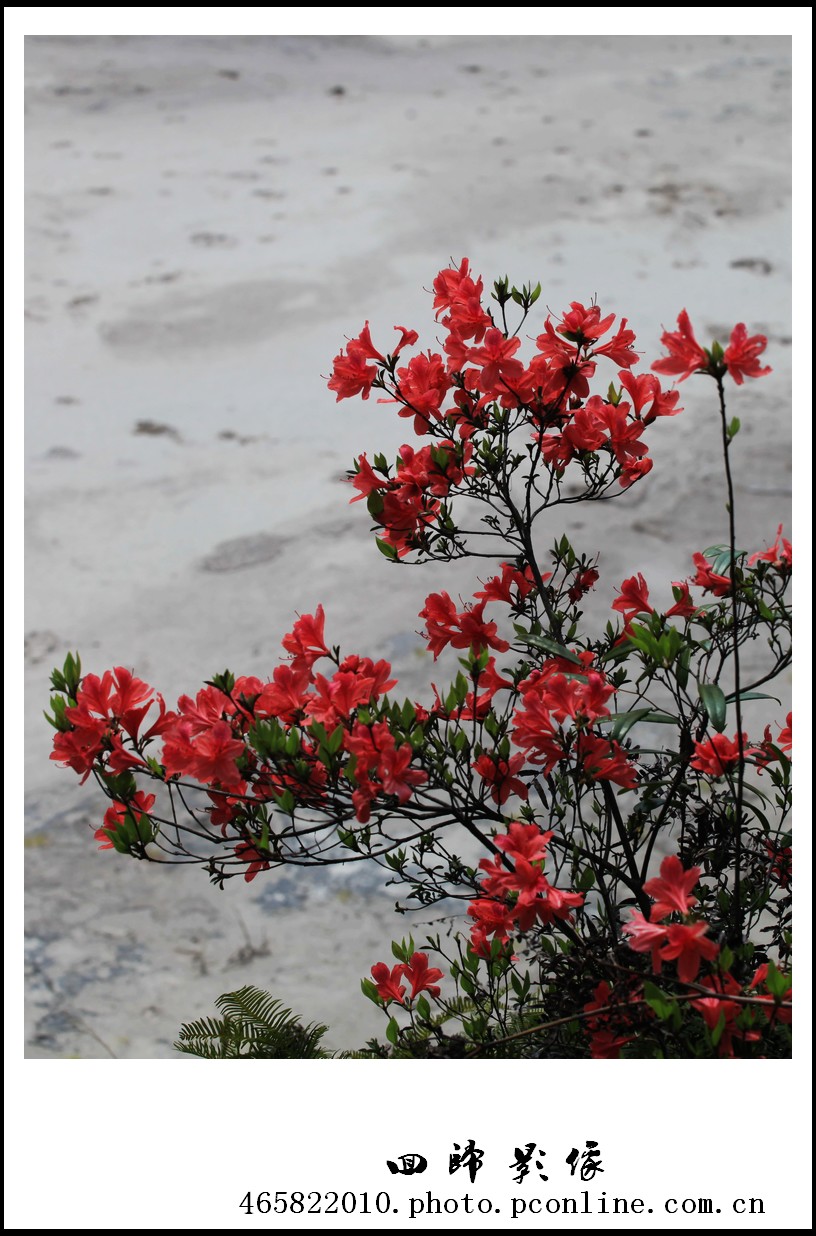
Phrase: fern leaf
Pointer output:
(255, 1026)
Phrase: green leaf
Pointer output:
(335, 740)
(72, 673)
(59, 720)
(286, 801)
(423, 1008)
(375, 503)
(717, 1032)
(657, 1001)
(776, 983)
(392, 1031)
(623, 721)
(387, 550)
(369, 990)
(714, 703)
(549, 645)
(753, 695)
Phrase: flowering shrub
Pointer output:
(606, 897)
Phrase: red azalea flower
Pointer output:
(705, 578)
(246, 852)
(366, 480)
(780, 554)
(394, 773)
(718, 753)
(645, 937)
(420, 976)
(140, 804)
(785, 739)
(683, 606)
(215, 756)
(583, 702)
(671, 890)
(388, 982)
(741, 355)
(633, 599)
(534, 731)
(493, 918)
(524, 841)
(305, 642)
(585, 432)
(687, 944)
(584, 581)
(461, 630)
(285, 697)
(619, 348)
(713, 1009)
(498, 588)
(604, 760)
(495, 358)
(582, 325)
(421, 388)
(685, 354)
(772, 1011)
(645, 390)
(781, 857)
(79, 747)
(350, 373)
(467, 319)
(500, 776)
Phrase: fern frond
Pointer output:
(255, 1027)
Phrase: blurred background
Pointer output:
(208, 219)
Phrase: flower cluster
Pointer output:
(685, 942)
(685, 356)
(560, 704)
(517, 893)
(422, 977)
(248, 742)
(319, 763)
(457, 393)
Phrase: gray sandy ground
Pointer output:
(208, 219)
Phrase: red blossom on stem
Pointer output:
(246, 852)
(421, 976)
(305, 642)
(718, 754)
(140, 804)
(388, 982)
(500, 776)
(741, 355)
(720, 585)
(688, 946)
(685, 354)
(465, 629)
(633, 599)
(671, 890)
(779, 555)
